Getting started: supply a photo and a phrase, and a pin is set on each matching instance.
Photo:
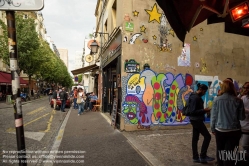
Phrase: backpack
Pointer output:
(186, 109)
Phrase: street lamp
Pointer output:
(94, 45)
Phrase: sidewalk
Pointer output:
(92, 137)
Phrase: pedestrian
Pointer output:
(63, 98)
(245, 123)
(80, 101)
(197, 121)
(226, 113)
(54, 97)
(50, 95)
(75, 91)
(93, 100)
(32, 92)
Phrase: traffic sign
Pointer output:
(23, 5)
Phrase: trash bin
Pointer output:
(8, 99)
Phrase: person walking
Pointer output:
(226, 113)
(54, 97)
(197, 121)
(75, 91)
(80, 101)
(245, 123)
(50, 95)
(63, 98)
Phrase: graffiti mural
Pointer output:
(151, 99)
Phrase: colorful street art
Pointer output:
(158, 99)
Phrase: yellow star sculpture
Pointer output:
(154, 37)
(142, 29)
(135, 13)
(201, 29)
(154, 15)
(195, 38)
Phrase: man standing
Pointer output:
(54, 98)
(63, 98)
(197, 120)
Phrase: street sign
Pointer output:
(23, 5)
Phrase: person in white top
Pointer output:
(245, 123)
(80, 101)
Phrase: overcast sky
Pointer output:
(68, 22)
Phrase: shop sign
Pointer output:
(129, 26)
(131, 66)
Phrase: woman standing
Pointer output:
(226, 113)
(80, 101)
(245, 122)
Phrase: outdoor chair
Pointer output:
(97, 106)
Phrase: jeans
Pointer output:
(226, 142)
(200, 128)
(75, 105)
(63, 104)
(245, 141)
(91, 104)
(81, 108)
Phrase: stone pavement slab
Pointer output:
(103, 145)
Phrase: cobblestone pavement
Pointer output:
(167, 147)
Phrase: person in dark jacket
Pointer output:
(63, 98)
(197, 120)
(55, 93)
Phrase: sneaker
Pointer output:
(78, 114)
(205, 159)
(196, 160)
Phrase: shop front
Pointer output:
(111, 71)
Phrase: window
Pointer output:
(114, 8)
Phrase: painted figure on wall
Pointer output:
(152, 99)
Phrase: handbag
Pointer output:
(78, 101)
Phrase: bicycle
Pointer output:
(10, 2)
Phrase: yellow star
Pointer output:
(201, 29)
(195, 38)
(135, 13)
(142, 29)
(154, 15)
(154, 37)
(171, 31)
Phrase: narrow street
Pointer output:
(41, 124)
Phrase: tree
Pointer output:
(80, 78)
(4, 53)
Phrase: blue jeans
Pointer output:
(81, 108)
(63, 104)
(75, 105)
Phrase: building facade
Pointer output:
(63, 55)
(148, 73)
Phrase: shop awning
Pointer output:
(84, 69)
(3, 79)
(6, 79)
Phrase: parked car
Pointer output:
(58, 103)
